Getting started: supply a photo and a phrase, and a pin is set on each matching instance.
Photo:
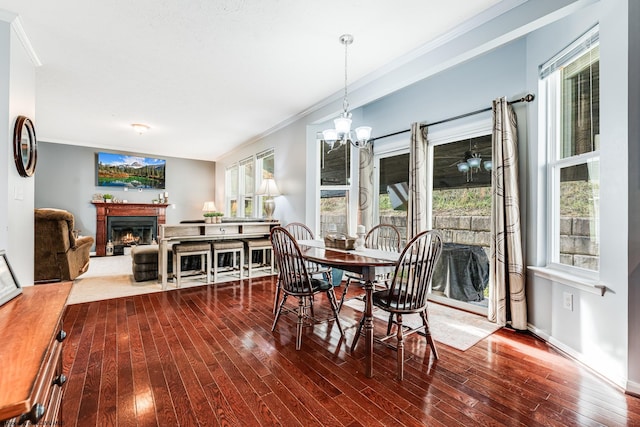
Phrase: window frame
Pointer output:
(550, 84)
(259, 168)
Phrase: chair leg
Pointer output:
(334, 307)
(344, 293)
(277, 296)
(278, 311)
(389, 323)
(427, 333)
(400, 349)
(358, 331)
(215, 266)
(299, 324)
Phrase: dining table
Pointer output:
(363, 261)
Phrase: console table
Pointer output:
(31, 376)
(206, 232)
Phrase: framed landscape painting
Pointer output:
(123, 170)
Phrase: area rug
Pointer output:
(111, 277)
(455, 328)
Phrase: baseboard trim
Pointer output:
(618, 382)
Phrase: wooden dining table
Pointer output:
(363, 262)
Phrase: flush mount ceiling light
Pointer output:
(140, 128)
(342, 131)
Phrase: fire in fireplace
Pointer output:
(124, 231)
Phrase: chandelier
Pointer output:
(342, 132)
(472, 162)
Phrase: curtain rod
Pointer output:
(527, 98)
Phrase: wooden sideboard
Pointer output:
(104, 210)
(31, 378)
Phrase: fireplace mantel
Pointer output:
(104, 210)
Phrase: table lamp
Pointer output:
(268, 188)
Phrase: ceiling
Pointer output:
(208, 76)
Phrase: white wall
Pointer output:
(66, 179)
(19, 99)
(596, 331)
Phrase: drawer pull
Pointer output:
(34, 415)
(60, 380)
(61, 336)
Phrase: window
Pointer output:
(264, 169)
(392, 182)
(231, 180)
(247, 184)
(335, 186)
(570, 82)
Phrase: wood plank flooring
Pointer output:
(206, 356)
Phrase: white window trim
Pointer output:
(550, 85)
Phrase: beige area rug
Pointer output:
(455, 328)
(112, 277)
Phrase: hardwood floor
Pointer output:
(207, 356)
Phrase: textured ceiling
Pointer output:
(205, 75)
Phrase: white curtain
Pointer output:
(417, 210)
(365, 196)
(507, 302)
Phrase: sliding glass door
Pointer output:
(461, 210)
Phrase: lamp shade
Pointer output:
(330, 135)
(343, 125)
(474, 162)
(209, 206)
(363, 133)
(268, 187)
(463, 167)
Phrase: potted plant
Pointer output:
(218, 217)
(209, 217)
(107, 197)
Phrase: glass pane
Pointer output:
(579, 215)
(233, 181)
(581, 105)
(268, 166)
(233, 207)
(461, 210)
(335, 164)
(249, 177)
(394, 191)
(334, 210)
(248, 208)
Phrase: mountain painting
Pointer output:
(120, 170)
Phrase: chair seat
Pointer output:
(317, 285)
(228, 244)
(191, 247)
(258, 243)
(384, 300)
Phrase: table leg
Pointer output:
(368, 328)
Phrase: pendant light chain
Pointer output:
(345, 101)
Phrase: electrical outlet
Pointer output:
(567, 301)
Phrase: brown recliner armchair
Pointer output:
(58, 255)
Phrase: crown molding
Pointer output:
(16, 24)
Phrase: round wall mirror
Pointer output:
(25, 148)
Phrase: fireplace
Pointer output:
(125, 231)
(106, 213)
